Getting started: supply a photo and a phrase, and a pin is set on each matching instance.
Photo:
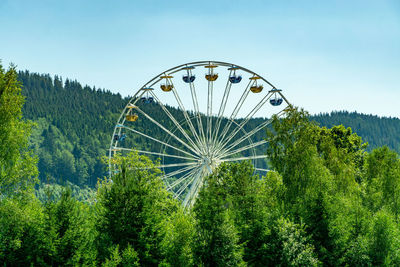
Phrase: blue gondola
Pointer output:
(235, 79)
(149, 100)
(188, 78)
(276, 101)
(120, 138)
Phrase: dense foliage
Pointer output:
(327, 202)
(17, 164)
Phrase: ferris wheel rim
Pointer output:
(147, 87)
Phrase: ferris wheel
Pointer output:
(195, 116)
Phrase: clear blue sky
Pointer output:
(326, 55)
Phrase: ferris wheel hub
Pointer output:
(210, 163)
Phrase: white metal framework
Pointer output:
(211, 123)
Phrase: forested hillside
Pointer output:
(75, 124)
(377, 131)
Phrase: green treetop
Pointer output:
(17, 164)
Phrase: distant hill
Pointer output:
(75, 124)
(377, 131)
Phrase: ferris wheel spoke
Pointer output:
(225, 96)
(181, 180)
(153, 153)
(257, 129)
(167, 131)
(197, 110)
(195, 188)
(176, 165)
(209, 108)
(159, 141)
(228, 153)
(185, 185)
(245, 158)
(245, 121)
(169, 165)
(241, 100)
(260, 169)
(185, 114)
(222, 108)
(192, 183)
(286, 101)
(236, 110)
(174, 120)
(171, 174)
(251, 133)
(244, 137)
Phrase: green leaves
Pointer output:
(295, 249)
(22, 236)
(384, 242)
(128, 257)
(347, 199)
(133, 208)
(382, 172)
(18, 169)
(178, 239)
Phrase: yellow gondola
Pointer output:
(254, 78)
(166, 87)
(166, 77)
(211, 77)
(256, 89)
(210, 66)
(132, 117)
